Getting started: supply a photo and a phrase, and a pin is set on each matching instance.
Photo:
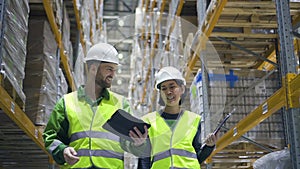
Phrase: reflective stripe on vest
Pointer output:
(173, 149)
(102, 153)
(94, 134)
(95, 146)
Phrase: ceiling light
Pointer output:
(119, 81)
(121, 22)
(120, 56)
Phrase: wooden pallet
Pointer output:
(17, 97)
(242, 154)
(15, 142)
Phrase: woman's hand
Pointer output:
(70, 155)
(137, 136)
(210, 140)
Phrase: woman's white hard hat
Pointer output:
(168, 73)
(103, 52)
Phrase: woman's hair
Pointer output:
(179, 83)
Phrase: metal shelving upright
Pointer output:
(2, 7)
(288, 69)
(286, 97)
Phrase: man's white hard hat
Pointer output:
(168, 73)
(103, 52)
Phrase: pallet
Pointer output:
(242, 154)
(19, 98)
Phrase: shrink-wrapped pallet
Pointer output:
(13, 52)
(41, 75)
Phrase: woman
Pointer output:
(174, 136)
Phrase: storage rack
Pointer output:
(247, 20)
(18, 133)
(58, 38)
(22, 144)
(18, 127)
(158, 37)
(287, 96)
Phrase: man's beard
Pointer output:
(102, 83)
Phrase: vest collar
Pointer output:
(81, 94)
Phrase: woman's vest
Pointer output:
(94, 145)
(173, 149)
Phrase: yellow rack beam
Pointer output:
(266, 65)
(79, 25)
(171, 28)
(206, 32)
(153, 47)
(14, 112)
(291, 91)
(58, 38)
(145, 5)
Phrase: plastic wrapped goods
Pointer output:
(275, 160)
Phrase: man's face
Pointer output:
(105, 74)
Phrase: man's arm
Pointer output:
(55, 134)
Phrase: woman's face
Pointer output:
(171, 92)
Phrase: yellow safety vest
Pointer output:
(95, 146)
(173, 149)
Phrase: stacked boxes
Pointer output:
(13, 51)
(41, 80)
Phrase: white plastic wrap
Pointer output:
(79, 68)
(275, 160)
(14, 43)
(40, 83)
(63, 85)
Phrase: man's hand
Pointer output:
(138, 137)
(70, 155)
(210, 140)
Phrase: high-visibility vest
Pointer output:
(173, 149)
(94, 145)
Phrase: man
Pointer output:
(74, 135)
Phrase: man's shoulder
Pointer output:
(70, 94)
(116, 95)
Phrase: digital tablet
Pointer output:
(121, 122)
